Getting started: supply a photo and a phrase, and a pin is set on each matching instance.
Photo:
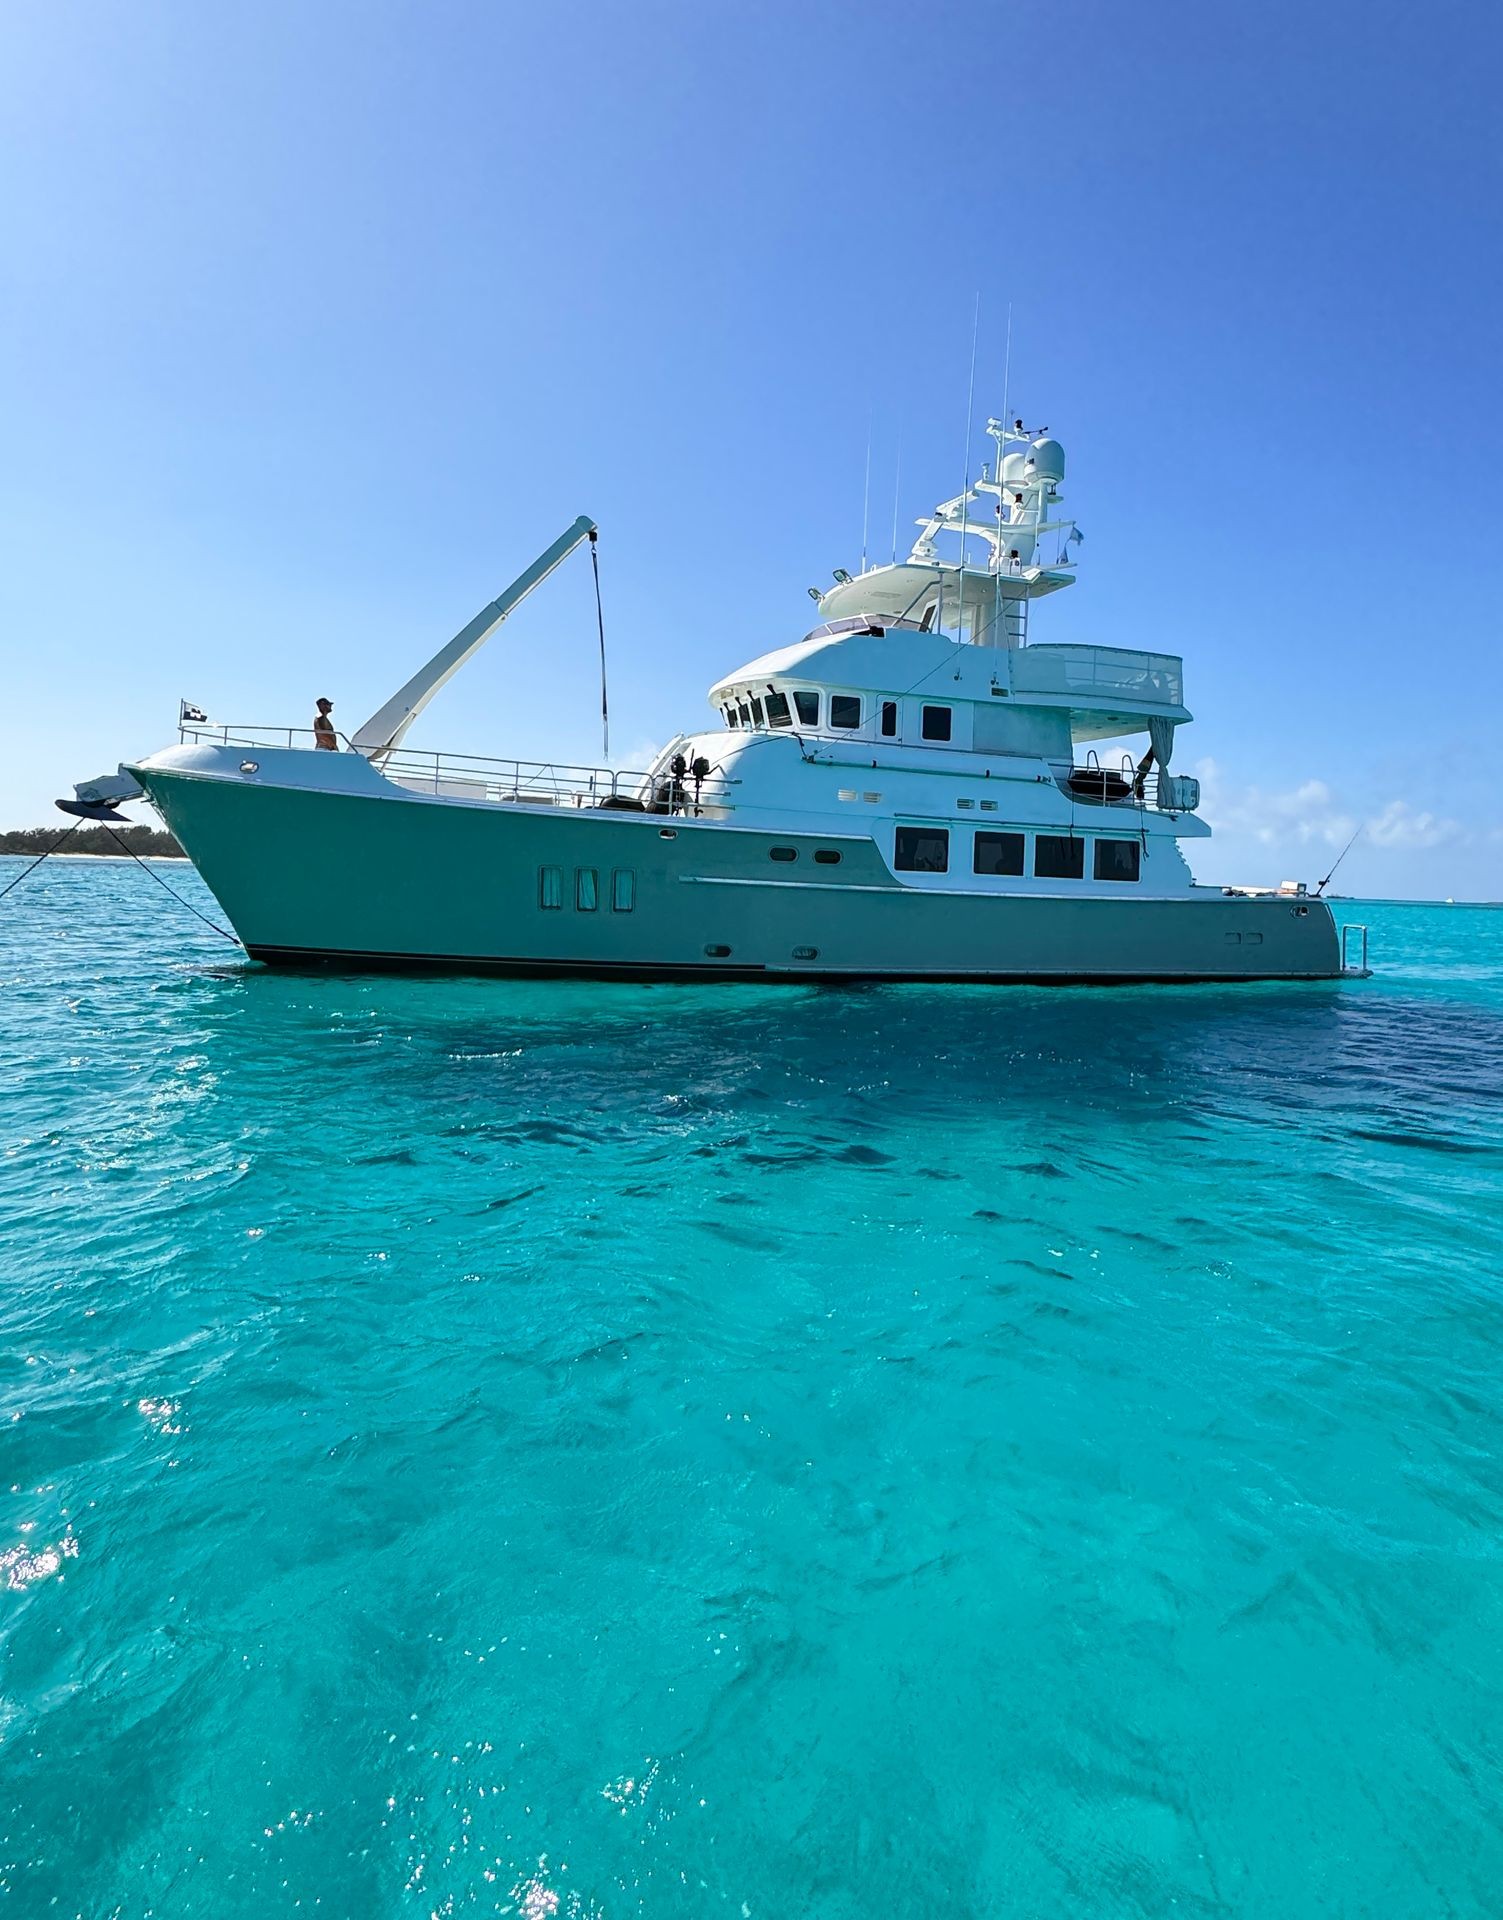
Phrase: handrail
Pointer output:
(509, 781)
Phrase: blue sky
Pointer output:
(320, 320)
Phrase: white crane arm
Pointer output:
(386, 726)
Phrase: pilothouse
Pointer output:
(918, 789)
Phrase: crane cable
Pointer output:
(605, 709)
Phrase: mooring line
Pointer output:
(223, 932)
(42, 856)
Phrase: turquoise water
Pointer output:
(584, 1451)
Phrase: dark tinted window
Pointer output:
(999, 853)
(1117, 859)
(1057, 857)
(922, 850)
(808, 708)
(845, 710)
(777, 710)
(826, 857)
(756, 707)
(745, 711)
(936, 723)
(889, 719)
(784, 853)
(732, 719)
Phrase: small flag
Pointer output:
(187, 713)
(1076, 535)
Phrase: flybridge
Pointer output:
(1011, 510)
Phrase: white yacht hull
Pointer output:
(315, 876)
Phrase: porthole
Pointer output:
(826, 857)
(667, 833)
(783, 853)
(250, 766)
(806, 953)
(718, 953)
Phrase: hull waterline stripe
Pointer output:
(321, 957)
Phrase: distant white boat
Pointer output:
(913, 791)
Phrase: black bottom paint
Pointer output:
(312, 959)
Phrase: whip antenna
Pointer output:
(1339, 858)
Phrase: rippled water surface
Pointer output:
(585, 1451)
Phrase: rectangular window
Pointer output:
(777, 710)
(586, 889)
(922, 850)
(623, 890)
(1117, 859)
(756, 707)
(936, 724)
(845, 710)
(1056, 856)
(745, 712)
(550, 888)
(732, 718)
(808, 708)
(998, 853)
(889, 719)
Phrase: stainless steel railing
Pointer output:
(512, 782)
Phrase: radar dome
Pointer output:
(1012, 474)
(1047, 458)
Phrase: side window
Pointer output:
(623, 890)
(550, 888)
(586, 889)
(1056, 856)
(732, 718)
(1117, 859)
(808, 708)
(998, 853)
(936, 723)
(845, 710)
(889, 719)
(745, 711)
(756, 707)
(777, 710)
(922, 850)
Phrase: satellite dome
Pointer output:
(1047, 458)
(1012, 474)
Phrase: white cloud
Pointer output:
(1265, 833)
(1295, 816)
(1398, 825)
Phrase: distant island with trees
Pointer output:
(148, 842)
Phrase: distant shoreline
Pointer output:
(91, 841)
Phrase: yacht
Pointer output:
(917, 789)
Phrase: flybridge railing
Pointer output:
(1054, 667)
(515, 782)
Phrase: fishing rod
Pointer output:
(1339, 858)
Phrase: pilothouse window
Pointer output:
(756, 707)
(745, 712)
(845, 710)
(777, 710)
(922, 850)
(808, 708)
